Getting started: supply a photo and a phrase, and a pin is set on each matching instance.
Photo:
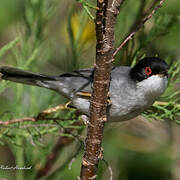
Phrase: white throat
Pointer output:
(153, 86)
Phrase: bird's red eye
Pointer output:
(148, 70)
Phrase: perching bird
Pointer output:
(132, 90)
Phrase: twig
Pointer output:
(36, 125)
(5, 123)
(129, 36)
(130, 47)
(31, 119)
(74, 154)
(87, 5)
(52, 156)
(109, 168)
(166, 103)
(105, 23)
(30, 126)
(69, 131)
(41, 116)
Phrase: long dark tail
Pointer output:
(26, 77)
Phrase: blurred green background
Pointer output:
(55, 36)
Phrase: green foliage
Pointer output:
(8, 46)
(86, 7)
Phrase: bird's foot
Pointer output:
(85, 120)
(83, 94)
(88, 95)
(109, 99)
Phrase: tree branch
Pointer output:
(105, 22)
(139, 26)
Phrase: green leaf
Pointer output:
(8, 46)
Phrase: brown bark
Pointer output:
(105, 22)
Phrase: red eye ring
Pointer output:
(148, 70)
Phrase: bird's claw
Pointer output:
(88, 95)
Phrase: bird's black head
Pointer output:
(147, 67)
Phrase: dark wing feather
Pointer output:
(76, 81)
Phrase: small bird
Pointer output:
(131, 91)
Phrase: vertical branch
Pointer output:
(105, 22)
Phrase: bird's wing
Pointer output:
(81, 81)
(76, 81)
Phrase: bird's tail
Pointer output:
(26, 77)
